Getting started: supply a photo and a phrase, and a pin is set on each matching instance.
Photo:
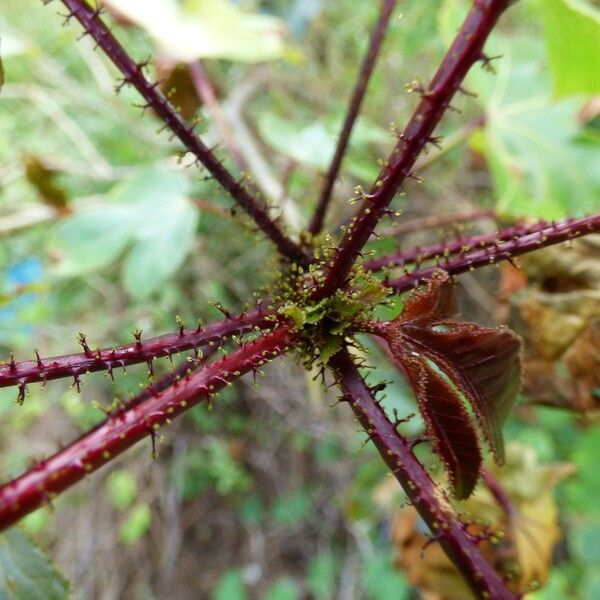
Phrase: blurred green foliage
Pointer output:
(25, 572)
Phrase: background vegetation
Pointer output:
(105, 229)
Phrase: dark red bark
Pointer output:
(427, 498)
(133, 74)
(364, 75)
(555, 233)
(466, 50)
(443, 250)
(21, 373)
(122, 430)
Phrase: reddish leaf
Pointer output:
(482, 362)
(436, 301)
(448, 424)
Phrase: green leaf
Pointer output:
(122, 488)
(163, 243)
(136, 525)
(26, 573)
(370, 292)
(583, 490)
(542, 164)
(382, 580)
(284, 589)
(151, 185)
(572, 32)
(36, 522)
(314, 144)
(290, 510)
(206, 29)
(331, 346)
(313, 314)
(295, 313)
(230, 586)
(148, 213)
(590, 586)
(92, 240)
(321, 576)
(251, 509)
(584, 543)
(311, 145)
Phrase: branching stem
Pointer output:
(15, 373)
(466, 49)
(555, 233)
(356, 100)
(443, 250)
(427, 498)
(133, 74)
(122, 430)
(435, 221)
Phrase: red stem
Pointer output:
(442, 250)
(429, 500)
(20, 374)
(556, 233)
(498, 492)
(207, 94)
(133, 74)
(356, 100)
(181, 371)
(464, 52)
(434, 221)
(122, 430)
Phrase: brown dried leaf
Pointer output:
(551, 329)
(583, 361)
(560, 321)
(531, 530)
(177, 84)
(43, 178)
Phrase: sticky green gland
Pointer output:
(322, 326)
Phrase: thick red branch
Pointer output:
(133, 74)
(122, 430)
(554, 233)
(356, 100)
(427, 498)
(463, 53)
(444, 250)
(15, 373)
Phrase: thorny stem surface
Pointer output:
(435, 100)
(451, 141)
(133, 74)
(366, 70)
(178, 373)
(427, 498)
(122, 430)
(187, 386)
(444, 250)
(13, 373)
(562, 231)
(435, 221)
